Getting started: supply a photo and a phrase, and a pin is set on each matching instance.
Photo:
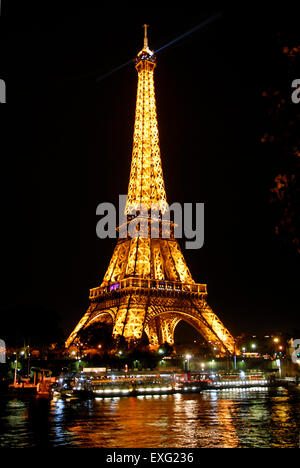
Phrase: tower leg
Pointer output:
(167, 325)
(152, 334)
(161, 329)
(130, 318)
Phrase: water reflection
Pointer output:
(283, 422)
(231, 418)
(227, 419)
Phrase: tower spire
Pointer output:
(145, 26)
(146, 184)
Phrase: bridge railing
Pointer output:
(147, 284)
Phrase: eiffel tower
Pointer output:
(148, 287)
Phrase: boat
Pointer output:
(241, 379)
(121, 385)
(22, 389)
(63, 387)
(111, 384)
(191, 382)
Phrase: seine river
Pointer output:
(223, 418)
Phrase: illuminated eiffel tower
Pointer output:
(148, 286)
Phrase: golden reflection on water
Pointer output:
(192, 420)
(229, 418)
(283, 425)
(227, 430)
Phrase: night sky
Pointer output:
(66, 144)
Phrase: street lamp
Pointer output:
(188, 357)
(16, 367)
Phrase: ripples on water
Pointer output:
(229, 418)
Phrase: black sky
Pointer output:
(66, 143)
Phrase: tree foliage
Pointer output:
(283, 139)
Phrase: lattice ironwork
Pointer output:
(148, 286)
(146, 183)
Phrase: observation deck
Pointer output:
(148, 287)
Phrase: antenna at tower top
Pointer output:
(145, 26)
